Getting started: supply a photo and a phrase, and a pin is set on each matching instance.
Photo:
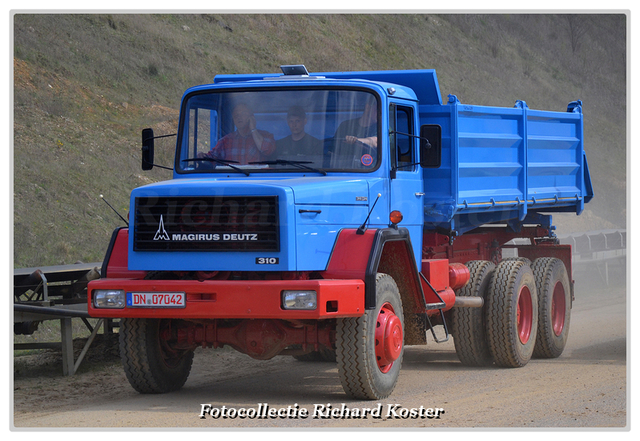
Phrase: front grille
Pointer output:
(223, 223)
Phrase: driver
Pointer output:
(245, 144)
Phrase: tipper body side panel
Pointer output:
(503, 164)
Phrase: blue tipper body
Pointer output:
(499, 165)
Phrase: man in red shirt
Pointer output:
(247, 143)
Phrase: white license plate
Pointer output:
(156, 299)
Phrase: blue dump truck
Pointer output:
(342, 216)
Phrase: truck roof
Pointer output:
(423, 82)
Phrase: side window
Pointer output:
(401, 137)
(202, 130)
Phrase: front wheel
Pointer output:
(369, 348)
(150, 362)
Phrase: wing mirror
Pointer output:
(430, 146)
(147, 149)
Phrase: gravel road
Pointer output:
(585, 387)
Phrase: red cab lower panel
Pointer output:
(226, 299)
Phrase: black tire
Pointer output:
(310, 356)
(150, 366)
(512, 314)
(554, 307)
(469, 335)
(323, 354)
(328, 355)
(363, 374)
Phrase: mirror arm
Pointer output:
(161, 136)
(410, 135)
(162, 166)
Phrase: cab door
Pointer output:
(406, 182)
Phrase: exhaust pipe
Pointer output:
(468, 302)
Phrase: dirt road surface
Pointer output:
(585, 388)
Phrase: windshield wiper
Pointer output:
(299, 164)
(218, 161)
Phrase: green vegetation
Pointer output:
(85, 85)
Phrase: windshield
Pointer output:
(312, 130)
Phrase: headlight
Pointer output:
(109, 298)
(299, 299)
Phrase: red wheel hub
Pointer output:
(558, 309)
(388, 337)
(525, 315)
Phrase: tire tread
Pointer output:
(140, 361)
(356, 362)
(469, 334)
(502, 337)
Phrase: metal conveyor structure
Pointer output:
(55, 293)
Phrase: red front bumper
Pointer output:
(224, 299)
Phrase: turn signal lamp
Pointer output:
(395, 217)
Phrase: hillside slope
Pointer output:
(85, 85)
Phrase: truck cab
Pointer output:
(301, 198)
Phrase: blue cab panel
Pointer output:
(308, 214)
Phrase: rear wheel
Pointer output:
(152, 366)
(468, 329)
(512, 314)
(554, 303)
(369, 348)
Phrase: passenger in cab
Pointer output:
(299, 144)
